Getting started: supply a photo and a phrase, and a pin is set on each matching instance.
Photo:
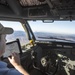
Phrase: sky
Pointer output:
(65, 27)
(12, 24)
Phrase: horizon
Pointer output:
(59, 27)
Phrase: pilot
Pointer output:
(14, 60)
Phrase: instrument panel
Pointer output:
(58, 55)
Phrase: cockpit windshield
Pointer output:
(58, 30)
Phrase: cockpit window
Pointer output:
(58, 30)
(19, 32)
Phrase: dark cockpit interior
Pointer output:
(45, 57)
(38, 9)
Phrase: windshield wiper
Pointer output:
(56, 38)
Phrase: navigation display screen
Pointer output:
(12, 47)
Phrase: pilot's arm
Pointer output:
(15, 61)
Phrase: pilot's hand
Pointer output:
(14, 59)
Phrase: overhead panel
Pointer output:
(31, 2)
